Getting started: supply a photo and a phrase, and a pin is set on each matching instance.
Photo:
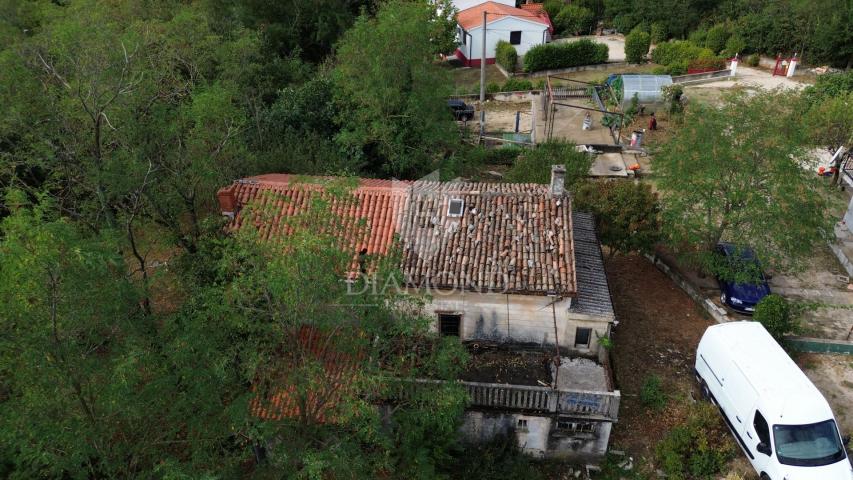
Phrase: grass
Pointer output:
(467, 80)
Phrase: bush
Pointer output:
(715, 63)
(493, 87)
(534, 165)
(517, 84)
(775, 314)
(734, 45)
(753, 60)
(625, 22)
(658, 33)
(563, 55)
(716, 38)
(637, 46)
(698, 37)
(679, 53)
(652, 394)
(574, 20)
(506, 56)
(694, 449)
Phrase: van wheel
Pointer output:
(764, 476)
(703, 387)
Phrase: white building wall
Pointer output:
(532, 34)
(517, 318)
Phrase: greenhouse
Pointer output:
(647, 88)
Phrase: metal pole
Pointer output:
(483, 80)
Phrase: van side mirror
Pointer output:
(763, 448)
(846, 440)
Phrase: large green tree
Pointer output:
(739, 172)
(391, 95)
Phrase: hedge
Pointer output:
(506, 56)
(679, 51)
(707, 64)
(551, 56)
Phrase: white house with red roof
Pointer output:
(523, 28)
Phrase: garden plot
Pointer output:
(501, 116)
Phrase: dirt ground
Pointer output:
(500, 116)
(491, 365)
(659, 329)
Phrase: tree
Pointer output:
(574, 20)
(627, 215)
(735, 173)
(534, 165)
(717, 37)
(392, 107)
(637, 46)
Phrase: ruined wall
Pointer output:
(540, 436)
(516, 318)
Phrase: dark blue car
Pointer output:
(742, 297)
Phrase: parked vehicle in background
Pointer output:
(461, 110)
(742, 296)
(779, 418)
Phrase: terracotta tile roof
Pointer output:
(369, 216)
(538, 9)
(513, 238)
(317, 403)
(471, 18)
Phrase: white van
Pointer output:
(778, 417)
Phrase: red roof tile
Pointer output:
(471, 18)
(510, 238)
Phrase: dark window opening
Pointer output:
(582, 336)
(515, 38)
(761, 428)
(575, 427)
(456, 207)
(522, 425)
(448, 324)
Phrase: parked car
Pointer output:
(779, 419)
(742, 296)
(461, 110)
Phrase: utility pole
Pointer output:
(483, 81)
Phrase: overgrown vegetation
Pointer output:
(694, 450)
(652, 394)
(506, 56)
(777, 316)
(534, 165)
(549, 56)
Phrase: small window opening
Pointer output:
(575, 427)
(448, 324)
(582, 337)
(522, 424)
(456, 207)
(515, 38)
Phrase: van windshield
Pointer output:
(808, 445)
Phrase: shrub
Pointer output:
(694, 449)
(698, 37)
(658, 33)
(652, 394)
(493, 87)
(563, 55)
(637, 46)
(506, 56)
(625, 22)
(715, 63)
(753, 60)
(716, 38)
(677, 53)
(534, 165)
(734, 45)
(574, 20)
(774, 312)
(627, 214)
(517, 84)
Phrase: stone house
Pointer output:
(501, 265)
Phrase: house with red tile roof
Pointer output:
(501, 262)
(523, 28)
(507, 268)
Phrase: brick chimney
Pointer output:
(558, 179)
(227, 201)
